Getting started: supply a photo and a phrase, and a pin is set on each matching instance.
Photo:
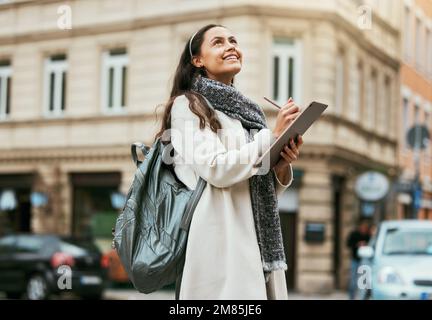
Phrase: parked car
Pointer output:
(400, 260)
(36, 266)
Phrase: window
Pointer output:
(55, 85)
(407, 34)
(114, 77)
(358, 92)
(405, 122)
(387, 106)
(371, 103)
(286, 71)
(418, 36)
(29, 244)
(407, 242)
(340, 82)
(429, 51)
(416, 114)
(424, 48)
(5, 89)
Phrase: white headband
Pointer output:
(190, 43)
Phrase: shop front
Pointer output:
(15, 203)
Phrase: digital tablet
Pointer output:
(298, 127)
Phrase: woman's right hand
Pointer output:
(287, 114)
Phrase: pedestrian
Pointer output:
(235, 248)
(356, 239)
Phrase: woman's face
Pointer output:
(220, 55)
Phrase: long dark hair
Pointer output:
(182, 84)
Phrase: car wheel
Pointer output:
(13, 295)
(37, 288)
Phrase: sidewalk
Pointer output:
(130, 294)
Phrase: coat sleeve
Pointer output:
(280, 187)
(205, 152)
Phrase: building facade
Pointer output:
(416, 108)
(75, 96)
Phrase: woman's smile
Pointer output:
(231, 57)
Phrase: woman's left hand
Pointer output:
(290, 153)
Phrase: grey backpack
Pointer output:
(151, 232)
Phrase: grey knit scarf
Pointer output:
(234, 104)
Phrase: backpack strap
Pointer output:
(196, 195)
(144, 149)
(185, 224)
(193, 201)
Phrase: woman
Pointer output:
(235, 248)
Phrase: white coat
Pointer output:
(222, 257)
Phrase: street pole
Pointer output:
(416, 184)
(418, 138)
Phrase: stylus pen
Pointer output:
(272, 102)
(275, 104)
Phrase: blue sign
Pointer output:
(367, 209)
(38, 199)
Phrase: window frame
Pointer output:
(285, 48)
(57, 67)
(340, 81)
(405, 121)
(418, 42)
(359, 92)
(117, 62)
(429, 51)
(371, 114)
(407, 32)
(5, 91)
(387, 99)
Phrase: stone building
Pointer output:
(75, 96)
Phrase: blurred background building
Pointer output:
(416, 101)
(73, 97)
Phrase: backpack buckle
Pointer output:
(144, 149)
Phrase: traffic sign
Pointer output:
(418, 134)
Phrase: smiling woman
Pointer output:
(220, 55)
(235, 248)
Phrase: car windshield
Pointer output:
(403, 241)
(30, 243)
